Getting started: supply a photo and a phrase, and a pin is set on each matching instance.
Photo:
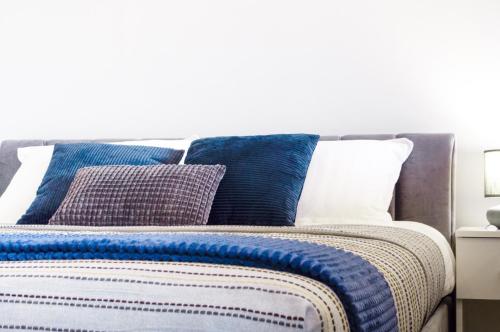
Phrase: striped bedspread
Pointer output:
(216, 278)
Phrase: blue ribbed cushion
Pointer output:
(67, 159)
(264, 176)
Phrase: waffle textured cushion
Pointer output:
(264, 176)
(159, 195)
(67, 159)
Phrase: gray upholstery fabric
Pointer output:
(443, 318)
(424, 193)
(124, 195)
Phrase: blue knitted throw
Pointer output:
(364, 292)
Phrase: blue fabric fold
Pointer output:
(67, 159)
(362, 289)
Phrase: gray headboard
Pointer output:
(424, 193)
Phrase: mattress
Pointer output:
(223, 278)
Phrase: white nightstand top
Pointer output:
(477, 232)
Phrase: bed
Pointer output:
(226, 278)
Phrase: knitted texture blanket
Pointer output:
(361, 288)
(220, 278)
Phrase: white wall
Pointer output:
(97, 68)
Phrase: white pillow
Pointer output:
(22, 188)
(351, 181)
(34, 163)
(177, 144)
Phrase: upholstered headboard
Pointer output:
(424, 193)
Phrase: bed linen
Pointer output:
(329, 278)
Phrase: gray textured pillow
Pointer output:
(159, 195)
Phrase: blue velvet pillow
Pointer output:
(264, 176)
(67, 159)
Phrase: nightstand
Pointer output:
(478, 267)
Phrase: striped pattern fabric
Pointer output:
(264, 176)
(96, 295)
(101, 295)
(168, 195)
(67, 159)
(362, 289)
